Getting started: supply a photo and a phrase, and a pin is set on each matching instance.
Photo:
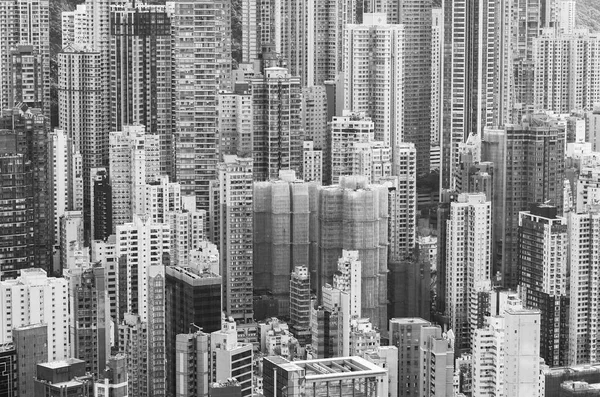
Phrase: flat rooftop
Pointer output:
(332, 368)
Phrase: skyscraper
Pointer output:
(565, 70)
(134, 161)
(80, 97)
(506, 353)
(468, 272)
(200, 70)
(372, 89)
(583, 238)
(276, 96)
(17, 241)
(140, 46)
(528, 168)
(231, 227)
(89, 328)
(416, 17)
(476, 36)
(542, 277)
(193, 296)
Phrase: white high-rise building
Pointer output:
(468, 268)
(506, 360)
(162, 197)
(145, 244)
(75, 26)
(566, 71)
(437, 73)
(371, 159)
(134, 161)
(566, 16)
(345, 131)
(34, 298)
(187, 235)
(60, 169)
(231, 230)
(402, 193)
(584, 286)
(373, 85)
(587, 189)
(348, 278)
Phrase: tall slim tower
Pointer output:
(584, 236)
(80, 93)
(469, 244)
(542, 277)
(201, 45)
(476, 37)
(141, 73)
(373, 67)
(416, 17)
(232, 230)
(277, 112)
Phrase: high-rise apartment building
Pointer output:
(144, 245)
(312, 163)
(583, 238)
(100, 204)
(201, 47)
(374, 80)
(32, 299)
(142, 339)
(140, 46)
(114, 379)
(134, 162)
(314, 114)
(25, 53)
(477, 74)
(75, 26)
(437, 73)
(344, 132)
(89, 320)
(300, 297)
(402, 192)
(204, 358)
(80, 98)
(354, 216)
(282, 238)
(468, 271)
(31, 346)
(417, 70)
(232, 231)
(25, 131)
(506, 352)
(193, 296)
(542, 277)
(60, 169)
(565, 70)
(277, 109)
(235, 121)
(16, 241)
(528, 168)
(418, 341)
